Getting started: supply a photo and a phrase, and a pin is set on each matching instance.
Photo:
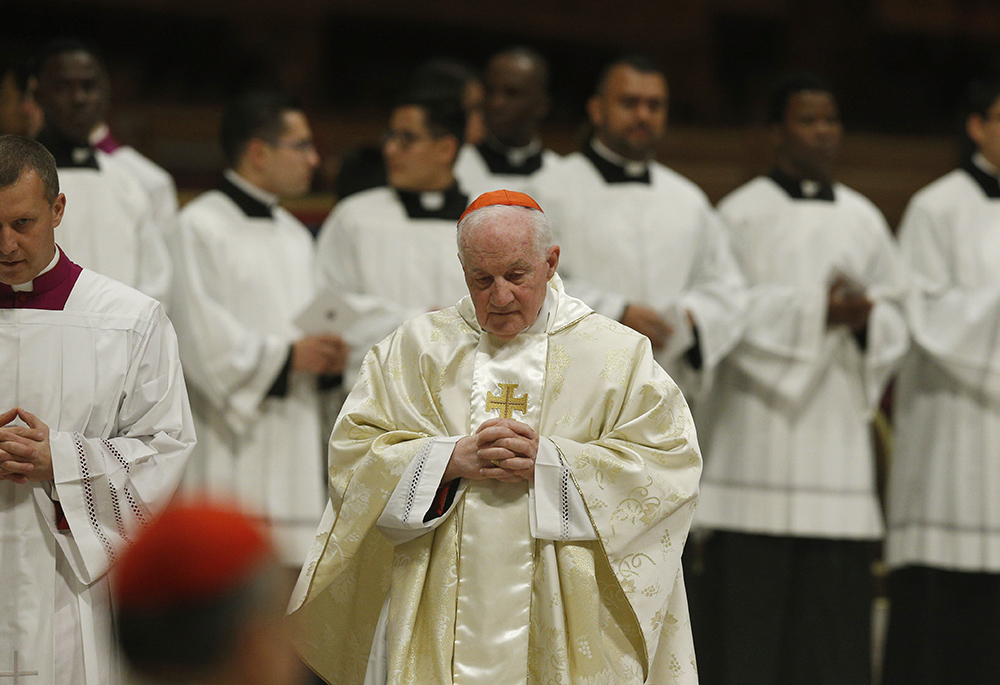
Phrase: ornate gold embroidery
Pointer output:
(617, 366)
(507, 403)
(557, 365)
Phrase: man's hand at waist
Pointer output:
(501, 449)
(25, 454)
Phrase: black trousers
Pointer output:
(771, 610)
(944, 628)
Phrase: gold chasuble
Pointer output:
(477, 599)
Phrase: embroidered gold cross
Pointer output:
(507, 403)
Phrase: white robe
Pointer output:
(110, 225)
(786, 436)
(105, 375)
(370, 246)
(240, 283)
(159, 185)
(475, 176)
(944, 509)
(659, 244)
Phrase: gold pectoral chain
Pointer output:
(506, 403)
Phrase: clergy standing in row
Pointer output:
(245, 268)
(512, 480)
(789, 485)
(95, 432)
(642, 244)
(110, 224)
(944, 522)
(395, 245)
(517, 99)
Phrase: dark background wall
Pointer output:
(900, 68)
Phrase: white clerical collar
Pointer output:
(30, 285)
(259, 194)
(432, 200)
(631, 167)
(984, 165)
(542, 320)
(99, 133)
(516, 156)
(810, 188)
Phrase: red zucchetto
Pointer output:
(501, 197)
(191, 553)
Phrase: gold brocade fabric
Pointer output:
(606, 611)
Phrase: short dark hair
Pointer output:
(443, 112)
(255, 114)
(18, 154)
(982, 94)
(537, 59)
(788, 85)
(62, 46)
(191, 640)
(634, 60)
(443, 73)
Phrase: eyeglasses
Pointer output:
(306, 145)
(404, 139)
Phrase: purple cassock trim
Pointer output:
(51, 291)
(107, 144)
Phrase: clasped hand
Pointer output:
(501, 449)
(25, 454)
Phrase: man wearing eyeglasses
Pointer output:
(245, 268)
(395, 245)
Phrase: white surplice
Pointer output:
(105, 375)
(508, 585)
(241, 280)
(371, 246)
(786, 436)
(516, 169)
(659, 243)
(110, 225)
(159, 185)
(943, 506)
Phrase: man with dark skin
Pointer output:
(516, 102)
(789, 491)
(110, 226)
(807, 142)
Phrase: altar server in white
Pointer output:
(642, 244)
(111, 225)
(944, 514)
(395, 245)
(95, 431)
(789, 481)
(512, 482)
(245, 268)
(511, 155)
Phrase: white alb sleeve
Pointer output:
(556, 510)
(402, 519)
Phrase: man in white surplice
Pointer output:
(393, 246)
(244, 270)
(111, 225)
(94, 434)
(511, 156)
(512, 482)
(943, 543)
(789, 485)
(642, 244)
